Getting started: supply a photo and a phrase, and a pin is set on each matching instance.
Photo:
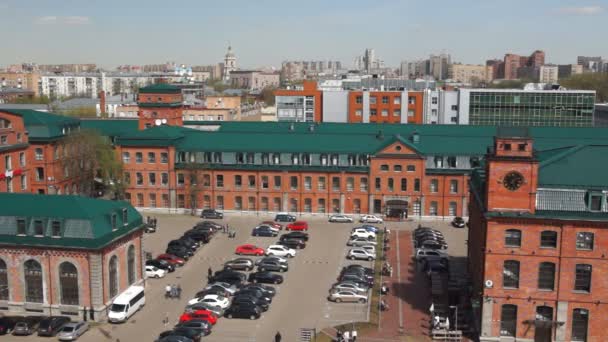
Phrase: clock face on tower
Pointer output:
(513, 180)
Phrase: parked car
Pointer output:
(281, 251)
(370, 219)
(273, 224)
(162, 264)
(181, 244)
(27, 325)
(430, 254)
(284, 217)
(226, 287)
(245, 298)
(360, 273)
(292, 243)
(214, 290)
(179, 252)
(211, 214)
(265, 277)
(340, 218)
(50, 326)
(213, 300)
(360, 241)
(362, 233)
(340, 296)
(297, 225)
(193, 335)
(72, 331)
(202, 326)
(264, 230)
(229, 276)
(174, 338)
(244, 264)
(172, 259)
(149, 229)
(206, 229)
(371, 249)
(273, 266)
(255, 293)
(356, 278)
(204, 306)
(216, 226)
(7, 323)
(199, 235)
(295, 235)
(190, 242)
(369, 228)
(243, 310)
(249, 249)
(350, 286)
(154, 272)
(361, 268)
(268, 291)
(360, 254)
(204, 315)
(432, 244)
(458, 222)
(272, 257)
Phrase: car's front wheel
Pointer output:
(229, 316)
(362, 301)
(338, 300)
(252, 317)
(370, 258)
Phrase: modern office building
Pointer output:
(538, 224)
(302, 104)
(503, 107)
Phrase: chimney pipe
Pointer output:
(102, 102)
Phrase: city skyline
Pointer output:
(116, 33)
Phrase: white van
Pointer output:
(126, 304)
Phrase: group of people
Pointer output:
(387, 269)
(231, 233)
(151, 221)
(173, 291)
(346, 336)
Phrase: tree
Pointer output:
(267, 96)
(89, 157)
(194, 179)
(589, 81)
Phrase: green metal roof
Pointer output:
(575, 167)
(111, 127)
(155, 136)
(43, 126)
(289, 168)
(160, 88)
(86, 222)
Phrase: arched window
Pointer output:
(131, 264)
(580, 324)
(4, 289)
(68, 282)
(33, 281)
(513, 238)
(508, 320)
(113, 272)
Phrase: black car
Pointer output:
(359, 273)
(162, 264)
(266, 290)
(255, 293)
(295, 235)
(356, 278)
(216, 226)
(209, 230)
(200, 236)
(245, 298)
(212, 214)
(179, 252)
(230, 277)
(367, 270)
(243, 310)
(192, 334)
(190, 242)
(431, 244)
(173, 338)
(50, 326)
(265, 277)
(244, 264)
(271, 258)
(264, 231)
(285, 218)
(7, 323)
(292, 243)
(458, 222)
(271, 265)
(181, 243)
(197, 324)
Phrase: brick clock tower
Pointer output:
(160, 104)
(512, 174)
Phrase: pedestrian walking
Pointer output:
(173, 291)
(354, 335)
(346, 336)
(277, 337)
(168, 291)
(209, 273)
(179, 291)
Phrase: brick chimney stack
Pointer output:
(102, 102)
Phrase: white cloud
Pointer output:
(68, 20)
(584, 10)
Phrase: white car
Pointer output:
(430, 254)
(212, 300)
(153, 272)
(369, 248)
(361, 254)
(362, 233)
(349, 286)
(340, 218)
(358, 242)
(370, 219)
(231, 289)
(280, 250)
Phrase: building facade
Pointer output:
(21, 80)
(55, 260)
(301, 104)
(548, 74)
(536, 241)
(470, 74)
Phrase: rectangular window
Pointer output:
(417, 184)
(38, 154)
(433, 209)
(151, 157)
(363, 185)
(453, 186)
(411, 100)
(219, 181)
(397, 100)
(152, 198)
(358, 112)
(238, 203)
(378, 184)
(385, 99)
(452, 209)
(23, 182)
(140, 200)
(139, 157)
(126, 157)
(580, 324)
(56, 229)
(251, 182)
(164, 179)
(513, 238)
(39, 174)
(277, 182)
(139, 178)
(403, 184)
(359, 99)
(373, 112)
(584, 240)
(335, 183)
(265, 183)
(384, 112)
(434, 100)
(350, 184)
(22, 159)
(164, 157)
(165, 199)
(411, 168)
(307, 183)
(397, 112)
(21, 227)
(113, 221)
(595, 201)
(546, 276)
(548, 239)
(180, 179)
(434, 185)
(206, 180)
(510, 274)
(125, 217)
(181, 201)
(293, 183)
(391, 184)
(508, 320)
(238, 181)
(582, 280)
(321, 184)
(219, 202)
(373, 99)
(8, 162)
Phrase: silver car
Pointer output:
(350, 286)
(205, 306)
(358, 242)
(72, 331)
(340, 296)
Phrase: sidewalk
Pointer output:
(408, 298)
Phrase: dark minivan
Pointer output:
(283, 217)
(211, 214)
(50, 326)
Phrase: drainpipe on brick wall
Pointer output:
(48, 260)
(91, 308)
(559, 278)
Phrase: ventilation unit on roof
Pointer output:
(311, 128)
(380, 135)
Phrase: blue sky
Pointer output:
(265, 32)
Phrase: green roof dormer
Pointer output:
(160, 88)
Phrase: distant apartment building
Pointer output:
(548, 74)
(214, 71)
(568, 70)
(298, 70)
(368, 62)
(470, 74)
(414, 69)
(591, 64)
(302, 104)
(600, 115)
(514, 107)
(20, 80)
(440, 107)
(253, 80)
(498, 68)
(512, 64)
(438, 66)
(67, 68)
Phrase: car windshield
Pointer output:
(21, 325)
(118, 307)
(67, 329)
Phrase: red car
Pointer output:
(172, 259)
(204, 315)
(298, 225)
(249, 250)
(273, 224)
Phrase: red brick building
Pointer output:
(537, 241)
(386, 106)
